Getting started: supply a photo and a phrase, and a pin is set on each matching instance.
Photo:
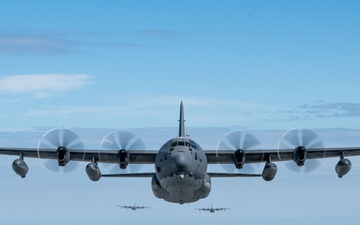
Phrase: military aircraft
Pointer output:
(211, 209)
(132, 207)
(180, 166)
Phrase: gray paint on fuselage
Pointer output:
(181, 169)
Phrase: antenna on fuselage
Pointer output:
(181, 121)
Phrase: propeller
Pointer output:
(123, 140)
(238, 140)
(55, 139)
(305, 138)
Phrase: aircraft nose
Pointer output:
(182, 163)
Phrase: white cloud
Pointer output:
(54, 43)
(323, 109)
(20, 44)
(42, 85)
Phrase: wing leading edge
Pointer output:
(258, 156)
(101, 156)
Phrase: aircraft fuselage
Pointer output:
(181, 172)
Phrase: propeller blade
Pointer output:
(119, 140)
(52, 140)
(305, 138)
(238, 140)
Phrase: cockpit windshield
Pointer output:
(188, 143)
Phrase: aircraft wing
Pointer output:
(257, 156)
(202, 209)
(212, 174)
(140, 175)
(220, 209)
(101, 156)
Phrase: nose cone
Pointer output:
(183, 163)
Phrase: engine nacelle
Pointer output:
(20, 167)
(269, 171)
(239, 159)
(93, 171)
(299, 155)
(62, 156)
(123, 159)
(343, 167)
(158, 191)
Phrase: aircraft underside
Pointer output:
(181, 188)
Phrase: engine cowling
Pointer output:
(343, 167)
(20, 167)
(123, 159)
(300, 155)
(239, 158)
(269, 171)
(93, 171)
(63, 156)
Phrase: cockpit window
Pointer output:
(194, 145)
(190, 144)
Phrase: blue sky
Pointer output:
(254, 65)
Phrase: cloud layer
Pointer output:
(325, 109)
(54, 43)
(42, 85)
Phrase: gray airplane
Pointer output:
(180, 166)
(211, 209)
(132, 207)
